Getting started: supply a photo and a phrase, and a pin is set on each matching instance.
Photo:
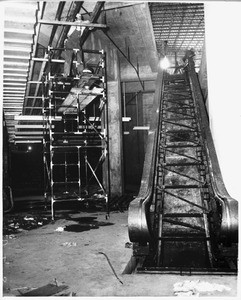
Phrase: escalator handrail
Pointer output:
(229, 206)
(137, 219)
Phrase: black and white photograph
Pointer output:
(121, 148)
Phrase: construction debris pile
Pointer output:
(17, 223)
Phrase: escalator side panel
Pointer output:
(229, 206)
(138, 226)
(183, 212)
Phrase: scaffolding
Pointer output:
(75, 134)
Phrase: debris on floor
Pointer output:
(190, 288)
(17, 223)
(47, 290)
(128, 245)
(59, 229)
(69, 244)
(120, 203)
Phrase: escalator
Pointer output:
(183, 219)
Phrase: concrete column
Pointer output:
(115, 126)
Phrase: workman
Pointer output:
(72, 52)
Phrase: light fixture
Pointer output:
(165, 63)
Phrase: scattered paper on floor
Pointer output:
(190, 288)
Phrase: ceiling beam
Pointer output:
(74, 23)
(57, 17)
(94, 17)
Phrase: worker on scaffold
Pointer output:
(72, 51)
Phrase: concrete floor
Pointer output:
(34, 258)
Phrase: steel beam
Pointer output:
(74, 23)
(94, 17)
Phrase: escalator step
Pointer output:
(183, 186)
(181, 131)
(184, 238)
(183, 215)
(180, 146)
(182, 164)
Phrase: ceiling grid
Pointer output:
(181, 25)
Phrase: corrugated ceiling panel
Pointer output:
(181, 25)
(19, 30)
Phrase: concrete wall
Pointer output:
(138, 106)
(126, 151)
(134, 141)
(115, 130)
(98, 41)
(223, 29)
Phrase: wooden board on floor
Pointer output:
(46, 290)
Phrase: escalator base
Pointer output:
(185, 271)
